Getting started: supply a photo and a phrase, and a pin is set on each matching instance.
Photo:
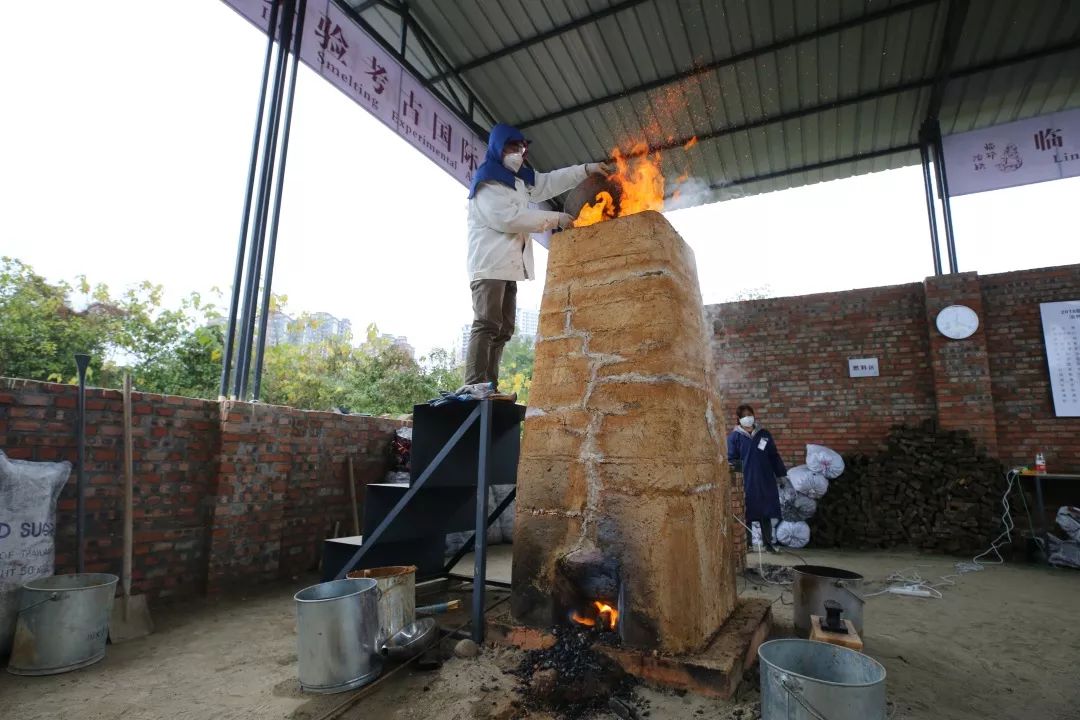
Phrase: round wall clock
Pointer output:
(957, 322)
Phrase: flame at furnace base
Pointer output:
(605, 614)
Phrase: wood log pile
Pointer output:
(931, 489)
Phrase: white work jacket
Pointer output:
(500, 221)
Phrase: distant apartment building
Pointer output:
(283, 329)
(526, 324)
(401, 342)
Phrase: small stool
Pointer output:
(850, 640)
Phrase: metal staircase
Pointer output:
(458, 451)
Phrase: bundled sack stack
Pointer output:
(800, 492)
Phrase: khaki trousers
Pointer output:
(494, 307)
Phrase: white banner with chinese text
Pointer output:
(1061, 334)
(345, 55)
(1017, 153)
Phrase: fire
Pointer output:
(690, 143)
(640, 183)
(606, 614)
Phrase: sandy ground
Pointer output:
(1002, 643)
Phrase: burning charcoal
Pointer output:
(570, 678)
(623, 710)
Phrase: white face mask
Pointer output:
(514, 161)
(747, 422)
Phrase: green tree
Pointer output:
(178, 351)
(516, 367)
(39, 330)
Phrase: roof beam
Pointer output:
(950, 40)
(873, 95)
(824, 164)
(731, 60)
(542, 37)
(361, 7)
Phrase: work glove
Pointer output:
(600, 168)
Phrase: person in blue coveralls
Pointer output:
(500, 250)
(752, 450)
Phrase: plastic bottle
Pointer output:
(1040, 464)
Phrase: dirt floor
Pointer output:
(1002, 643)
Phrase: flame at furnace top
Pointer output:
(640, 183)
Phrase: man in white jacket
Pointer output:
(500, 250)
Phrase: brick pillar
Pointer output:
(252, 481)
(961, 368)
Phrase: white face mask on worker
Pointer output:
(514, 161)
(747, 422)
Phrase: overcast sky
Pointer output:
(124, 144)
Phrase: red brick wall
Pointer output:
(788, 358)
(284, 487)
(224, 494)
(175, 446)
(1019, 379)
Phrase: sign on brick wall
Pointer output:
(862, 367)
(1061, 333)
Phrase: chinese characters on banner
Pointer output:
(339, 50)
(1017, 153)
(1061, 334)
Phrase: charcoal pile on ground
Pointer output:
(930, 488)
(571, 679)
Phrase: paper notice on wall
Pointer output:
(343, 53)
(1017, 153)
(1061, 335)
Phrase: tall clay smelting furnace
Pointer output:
(623, 515)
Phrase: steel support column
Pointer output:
(943, 193)
(935, 245)
(268, 282)
(243, 363)
(241, 249)
(480, 564)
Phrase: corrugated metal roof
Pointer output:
(779, 93)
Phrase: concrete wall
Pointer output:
(226, 494)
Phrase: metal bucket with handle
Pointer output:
(809, 680)
(63, 623)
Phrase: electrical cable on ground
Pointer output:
(908, 581)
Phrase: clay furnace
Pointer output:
(622, 510)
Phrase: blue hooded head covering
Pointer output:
(492, 168)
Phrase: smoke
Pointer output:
(688, 192)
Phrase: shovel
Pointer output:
(131, 617)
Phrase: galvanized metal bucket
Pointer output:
(809, 680)
(63, 623)
(814, 584)
(336, 626)
(397, 598)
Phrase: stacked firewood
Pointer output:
(931, 489)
